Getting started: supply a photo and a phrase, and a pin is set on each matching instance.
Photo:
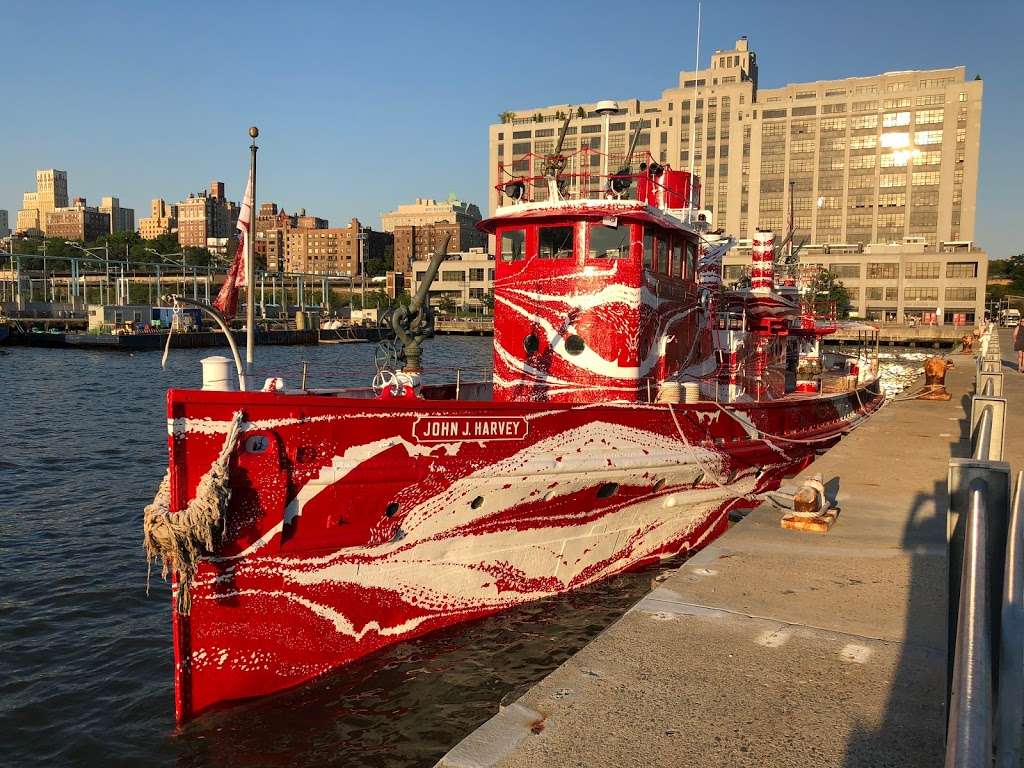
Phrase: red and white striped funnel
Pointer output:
(762, 266)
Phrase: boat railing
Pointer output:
(584, 174)
(985, 530)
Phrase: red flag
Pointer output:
(227, 300)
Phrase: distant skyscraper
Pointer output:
(5, 227)
(51, 193)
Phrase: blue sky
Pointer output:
(365, 105)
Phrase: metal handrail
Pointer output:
(981, 439)
(1010, 704)
(969, 734)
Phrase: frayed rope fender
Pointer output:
(180, 539)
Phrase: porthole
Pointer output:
(531, 344)
(257, 444)
(607, 490)
(392, 509)
(574, 345)
(658, 485)
(477, 502)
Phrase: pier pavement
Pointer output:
(779, 648)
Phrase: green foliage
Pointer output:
(580, 112)
(488, 301)
(828, 289)
(446, 304)
(403, 298)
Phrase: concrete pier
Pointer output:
(774, 647)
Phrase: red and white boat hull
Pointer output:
(358, 523)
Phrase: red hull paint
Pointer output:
(358, 523)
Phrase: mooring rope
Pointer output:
(179, 539)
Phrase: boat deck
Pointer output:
(774, 647)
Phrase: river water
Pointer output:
(85, 654)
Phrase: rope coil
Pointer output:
(180, 539)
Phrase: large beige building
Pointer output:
(51, 193)
(897, 282)
(417, 226)
(428, 211)
(863, 159)
(162, 220)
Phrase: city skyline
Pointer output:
(401, 115)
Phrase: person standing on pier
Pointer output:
(1018, 347)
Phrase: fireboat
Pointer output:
(635, 403)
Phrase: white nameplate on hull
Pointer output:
(445, 429)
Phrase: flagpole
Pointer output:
(250, 267)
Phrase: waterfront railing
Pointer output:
(986, 587)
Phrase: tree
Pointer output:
(507, 117)
(828, 289)
(580, 112)
(446, 304)
(488, 301)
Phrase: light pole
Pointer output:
(164, 256)
(106, 266)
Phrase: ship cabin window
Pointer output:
(677, 259)
(608, 242)
(649, 239)
(513, 244)
(691, 258)
(555, 242)
(661, 247)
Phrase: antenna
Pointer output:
(554, 163)
(693, 118)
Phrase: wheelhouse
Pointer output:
(594, 300)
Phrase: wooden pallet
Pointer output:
(817, 524)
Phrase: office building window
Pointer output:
(845, 270)
(926, 116)
(922, 270)
(883, 271)
(920, 294)
(962, 269)
(961, 294)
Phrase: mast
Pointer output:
(693, 119)
(250, 263)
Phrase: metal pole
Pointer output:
(969, 733)
(693, 118)
(250, 263)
